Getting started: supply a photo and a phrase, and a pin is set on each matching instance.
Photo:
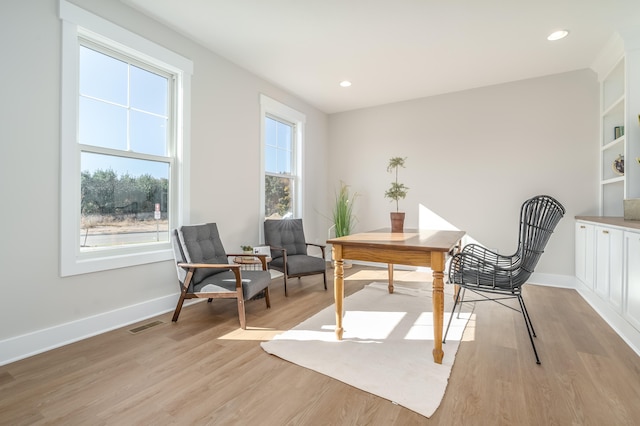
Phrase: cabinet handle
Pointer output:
(582, 226)
(605, 232)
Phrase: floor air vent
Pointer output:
(144, 327)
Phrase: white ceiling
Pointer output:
(394, 50)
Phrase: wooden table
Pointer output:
(411, 247)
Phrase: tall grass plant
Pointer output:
(343, 217)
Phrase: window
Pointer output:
(124, 136)
(280, 177)
(282, 135)
(123, 147)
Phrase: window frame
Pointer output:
(79, 25)
(276, 110)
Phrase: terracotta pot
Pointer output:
(397, 221)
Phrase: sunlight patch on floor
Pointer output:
(252, 333)
(469, 333)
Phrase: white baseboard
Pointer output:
(26, 345)
(552, 280)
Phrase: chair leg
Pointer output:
(527, 317)
(455, 303)
(176, 313)
(324, 278)
(285, 285)
(241, 314)
(527, 322)
(266, 297)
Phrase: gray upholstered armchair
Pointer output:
(204, 270)
(289, 250)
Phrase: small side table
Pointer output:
(250, 263)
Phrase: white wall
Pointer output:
(225, 167)
(473, 157)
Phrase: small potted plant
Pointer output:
(247, 249)
(396, 192)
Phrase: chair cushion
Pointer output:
(300, 264)
(203, 245)
(285, 233)
(253, 282)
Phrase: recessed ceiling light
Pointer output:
(345, 83)
(557, 35)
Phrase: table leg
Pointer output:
(338, 287)
(437, 266)
(390, 268)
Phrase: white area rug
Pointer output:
(386, 346)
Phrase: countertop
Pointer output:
(614, 221)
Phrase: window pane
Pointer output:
(148, 91)
(284, 136)
(278, 192)
(148, 133)
(271, 132)
(119, 198)
(284, 162)
(102, 124)
(278, 146)
(102, 76)
(271, 159)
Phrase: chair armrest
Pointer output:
(316, 245)
(320, 246)
(191, 267)
(484, 255)
(208, 265)
(481, 266)
(282, 249)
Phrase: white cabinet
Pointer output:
(609, 265)
(585, 253)
(632, 277)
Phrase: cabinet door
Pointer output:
(632, 278)
(602, 262)
(608, 281)
(584, 253)
(616, 268)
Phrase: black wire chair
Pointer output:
(481, 270)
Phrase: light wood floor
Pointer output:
(203, 370)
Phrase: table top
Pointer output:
(420, 239)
